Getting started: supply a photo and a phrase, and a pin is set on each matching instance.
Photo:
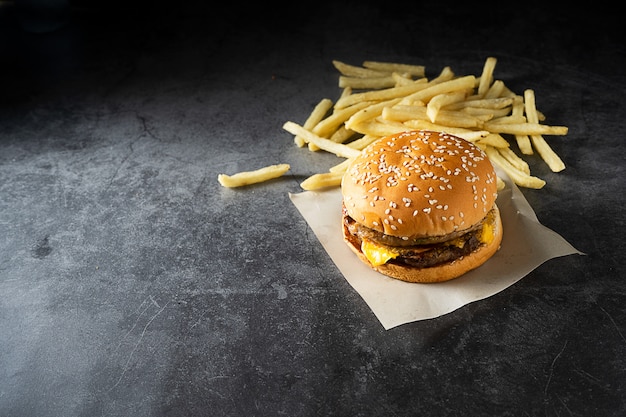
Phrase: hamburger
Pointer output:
(420, 206)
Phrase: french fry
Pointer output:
(467, 134)
(373, 83)
(316, 116)
(491, 103)
(381, 95)
(243, 178)
(495, 91)
(402, 113)
(355, 71)
(342, 135)
(511, 119)
(329, 125)
(461, 83)
(322, 180)
(547, 153)
(517, 106)
(486, 77)
(494, 140)
(446, 74)
(440, 100)
(543, 149)
(501, 185)
(514, 160)
(506, 92)
(342, 166)
(363, 141)
(369, 112)
(519, 177)
(524, 145)
(491, 113)
(401, 79)
(525, 128)
(414, 70)
(379, 127)
(345, 92)
(328, 145)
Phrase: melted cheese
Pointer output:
(377, 255)
(486, 235)
(458, 242)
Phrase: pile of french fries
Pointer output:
(383, 98)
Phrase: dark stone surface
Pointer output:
(132, 283)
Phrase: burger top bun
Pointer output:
(419, 184)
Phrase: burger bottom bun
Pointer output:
(439, 273)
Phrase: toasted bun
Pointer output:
(439, 273)
(419, 184)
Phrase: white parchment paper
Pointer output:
(526, 244)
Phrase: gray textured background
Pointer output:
(132, 283)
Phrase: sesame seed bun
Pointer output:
(423, 186)
(418, 184)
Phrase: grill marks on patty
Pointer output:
(423, 252)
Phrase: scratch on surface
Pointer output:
(132, 353)
(564, 404)
(197, 321)
(121, 163)
(145, 131)
(614, 324)
(545, 391)
(595, 380)
(143, 310)
(156, 304)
